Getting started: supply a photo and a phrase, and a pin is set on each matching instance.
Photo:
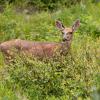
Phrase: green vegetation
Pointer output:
(41, 4)
(75, 76)
(45, 4)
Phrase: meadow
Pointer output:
(75, 76)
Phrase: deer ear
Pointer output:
(59, 25)
(76, 25)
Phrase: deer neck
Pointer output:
(65, 47)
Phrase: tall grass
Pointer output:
(74, 76)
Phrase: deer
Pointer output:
(42, 49)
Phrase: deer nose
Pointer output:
(64, 39)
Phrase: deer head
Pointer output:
(67, 33)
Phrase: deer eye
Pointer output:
(70, 32)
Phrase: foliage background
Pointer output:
(75, 76)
